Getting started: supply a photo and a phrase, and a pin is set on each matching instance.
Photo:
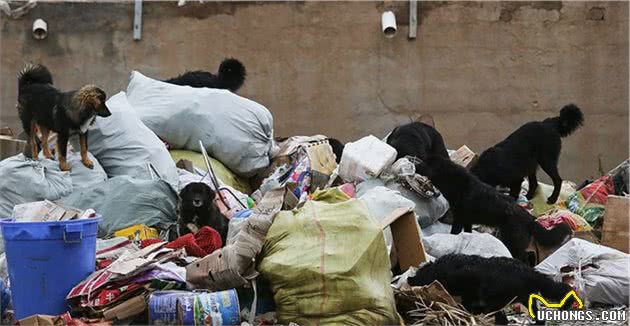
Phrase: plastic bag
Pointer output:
(576, 222)
(224, 174)
(125, 201)
(24, 180)
(482, 244)
(327, 264)
(428, 211)
(600, 273)
(381, 201)
(235, 130)
(125, 146)
(590, 201)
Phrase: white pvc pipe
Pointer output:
(40, 29)
(388, 24)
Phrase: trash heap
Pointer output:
(309, 241)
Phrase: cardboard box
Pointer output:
(615, 227)
(40, 320)
(44, 211)
(138, 232)
(464, 156)
(129, 308)
(408, 247)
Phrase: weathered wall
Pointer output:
(482, 69)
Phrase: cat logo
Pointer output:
(552, 305)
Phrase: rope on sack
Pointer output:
(252, 312)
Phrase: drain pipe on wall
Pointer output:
(388, 24)
(40, 29)
(413, 18)
(137, 20)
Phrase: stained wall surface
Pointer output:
(481, 69)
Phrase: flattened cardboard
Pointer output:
(40, 320)
(407, 239)
(127, 309)
(615, 227)
(321, 157)
(464, 156)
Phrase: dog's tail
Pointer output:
(34, 74)
(552, 237)
(570, 119)
(231, 74)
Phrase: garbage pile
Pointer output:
(204, 218)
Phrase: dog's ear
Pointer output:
(92, 101)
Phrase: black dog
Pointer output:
(43, 107)
(231, 76)
(417, 139)
(488, 284)
(474, 202)
(197, 207)
(519, 155)
(337, 148)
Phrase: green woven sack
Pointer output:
(327, 264)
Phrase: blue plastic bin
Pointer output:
(46, 260)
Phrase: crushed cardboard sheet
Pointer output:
(46, 211)
(433, 305)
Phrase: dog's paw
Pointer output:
(64, 166)
(88, 163)
(529, 196)
(551, 201)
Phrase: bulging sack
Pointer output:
(125, 201)
(328, 265)
(235, 130)
(600, 274)
(24, 180)
(126, 147)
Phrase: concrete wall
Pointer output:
(482, 69)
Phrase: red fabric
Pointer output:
(147, 242)
(104, 263)
(598, 190)
(203, 243)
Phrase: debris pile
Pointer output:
(275, 230)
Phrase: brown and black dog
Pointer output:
(43, 107)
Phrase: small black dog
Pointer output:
(231, 76)
(474, 202)
(417, 139)
(43, 107)
(197, 207)
(519, 155)
(337, 148)
(488, 284)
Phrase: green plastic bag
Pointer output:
(327, 264)
(223, 173)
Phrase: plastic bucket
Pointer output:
(45, 260)
(194, 308)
